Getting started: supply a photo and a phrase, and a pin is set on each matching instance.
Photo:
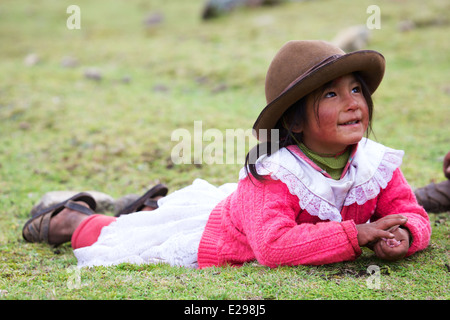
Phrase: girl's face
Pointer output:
(342, 118)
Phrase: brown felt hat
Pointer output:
(300, 67)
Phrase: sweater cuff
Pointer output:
(419, 231)
(208, 249)
(352, 234)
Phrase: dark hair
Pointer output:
(287, 137)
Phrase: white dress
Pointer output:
(170, 234)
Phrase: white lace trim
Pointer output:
(392, 159)
(312, 203)
(370, 172)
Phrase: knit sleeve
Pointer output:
(398, 198)
(272, 231)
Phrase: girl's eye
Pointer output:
(330, 94)
(356, 89)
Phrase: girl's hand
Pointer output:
(369, 233)
(395, 251)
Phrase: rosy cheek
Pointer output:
(366, 124)
(366, 117)
(327, 119)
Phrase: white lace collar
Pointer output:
(370, 171)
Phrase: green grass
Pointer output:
(60, 131)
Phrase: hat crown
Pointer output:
(293, 60)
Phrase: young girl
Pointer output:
(320, 192)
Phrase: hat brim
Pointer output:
(369, 64)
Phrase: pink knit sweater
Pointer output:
(263, 221)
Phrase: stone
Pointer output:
(69, 62)
(93, 74)
(31, 59)
(352, 38)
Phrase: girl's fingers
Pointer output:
(394, 216)
(385, 234)
(393, 229)
(390, 222)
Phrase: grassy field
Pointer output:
(61, 130)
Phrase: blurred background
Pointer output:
(90, 101)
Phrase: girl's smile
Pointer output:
(341, 119)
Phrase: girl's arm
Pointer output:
(269, 213)
(398, 198)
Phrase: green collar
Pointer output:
(333, 165)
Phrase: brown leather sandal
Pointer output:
(434, 197)
(148, 199)
(36, 229)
